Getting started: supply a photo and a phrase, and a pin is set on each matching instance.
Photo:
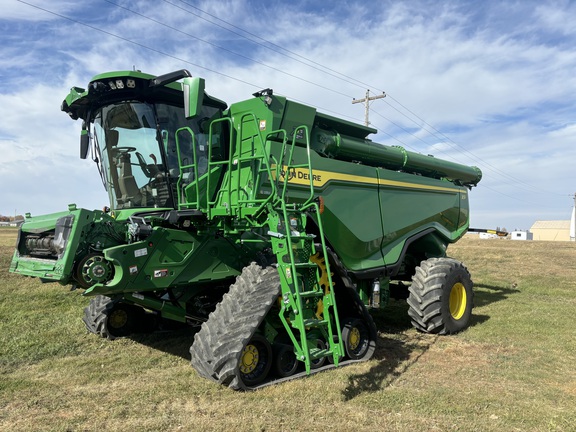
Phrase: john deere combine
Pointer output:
(270, 226)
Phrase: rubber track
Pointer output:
(425, 299)
(218, 345)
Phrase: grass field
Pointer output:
(514, 369)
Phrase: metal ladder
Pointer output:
(308, 308)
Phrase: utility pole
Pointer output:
(366, 101)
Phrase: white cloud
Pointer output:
(497, 80)
(24, 11)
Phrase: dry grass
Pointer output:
(512, 370)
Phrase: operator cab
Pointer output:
(146, 148)
(142, 148)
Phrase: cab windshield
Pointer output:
(137, 152)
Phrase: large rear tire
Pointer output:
(441, 296)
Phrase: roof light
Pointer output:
(119, 84)
(112, 85)
(130, 83)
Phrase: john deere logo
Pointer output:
(297, 176)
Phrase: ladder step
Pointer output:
(317, 353)
(303, 236)
(306, 265)
(308, 294)
(312, 322)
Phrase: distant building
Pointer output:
(573, 225)
(558, 230)
(486, 236)
(521, 235)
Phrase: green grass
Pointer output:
(512, 370)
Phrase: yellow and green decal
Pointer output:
(320, 178)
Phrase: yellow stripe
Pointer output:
(321, 178)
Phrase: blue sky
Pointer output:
(489, 83)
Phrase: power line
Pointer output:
(226, 49)
(268, 44)
(139, 44)
(473, 156)
(435, 133)
(350, 80)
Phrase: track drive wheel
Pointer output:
(111, 319)
(441, 296)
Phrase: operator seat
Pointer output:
(128, 191)
(127, 182)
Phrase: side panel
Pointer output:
(169, 258)
(371, 212)
(351, 218)
(411, 204)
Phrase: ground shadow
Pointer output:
(488, 294)
(393, 318)
(395, 357)
(397, 354)
(176, 342)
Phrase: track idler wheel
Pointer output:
(255, 361)
(285, 361)
(356, 337)
(228, 348)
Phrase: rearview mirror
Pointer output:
(193, 88)
(84, 143)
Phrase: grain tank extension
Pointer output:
(272, 228)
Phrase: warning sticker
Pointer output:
(262, 125)
(140, 252)
(133, 269)
(160, 273)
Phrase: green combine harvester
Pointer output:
(271, 227)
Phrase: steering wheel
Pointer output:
(124, 149)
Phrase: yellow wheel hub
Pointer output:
(458, 300)
(249, 359)
(354, 338)
(118, 319)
